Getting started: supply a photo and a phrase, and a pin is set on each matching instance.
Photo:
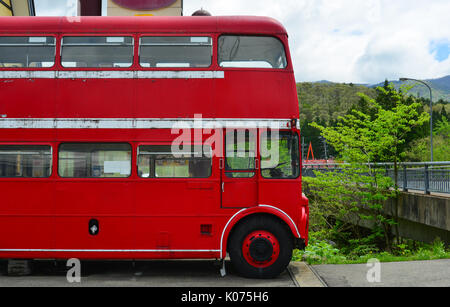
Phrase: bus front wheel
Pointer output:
(261, 247)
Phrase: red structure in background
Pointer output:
(313, 162)
(94, 7)
(90, 7)
(144, 5)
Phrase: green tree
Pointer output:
(365, 138)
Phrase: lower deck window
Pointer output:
(280, 158)
(240, 154)
(158, 161)
(25, 161)
(95, 160)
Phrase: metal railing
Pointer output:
(419, 176)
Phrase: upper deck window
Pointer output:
(97, 51)
(175, 51)
(27, 51)
(251, 52)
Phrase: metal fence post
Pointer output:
(405, 180)
(427, 181)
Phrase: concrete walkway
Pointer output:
(433, 273)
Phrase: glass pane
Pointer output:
(251, 52)
(184, 51)
(240, 150)
(98, 51)
(240, 175)
(159, 161)
(280, 155)
(25, 161)
(27, 52)
(95, 160)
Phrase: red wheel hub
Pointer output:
(261, 249)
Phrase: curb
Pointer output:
(305, 276)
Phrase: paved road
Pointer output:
(435, 273)
(199, 273)
(190, 273)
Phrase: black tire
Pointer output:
(246, 229)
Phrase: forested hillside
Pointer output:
(440, 88)
(324, 102)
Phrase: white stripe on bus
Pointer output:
(134, 123)
(115, 74)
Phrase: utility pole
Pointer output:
(303, 148)
(325, 147)
(431, 110)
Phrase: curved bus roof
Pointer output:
(185, 24)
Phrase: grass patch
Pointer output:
(322, 252)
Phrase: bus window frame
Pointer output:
(256, 158)
(212, 66)
(52, 161)
(132, 67)
(287, 69)
(56, 58)
(169, 143)
(130, 176)
(299, 175)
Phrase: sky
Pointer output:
(365, 41)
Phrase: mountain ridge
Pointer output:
(440, 87)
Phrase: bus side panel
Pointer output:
(28, 98)
(170, 214)
(96, 98)
(272, 95)
(26, 214)
(289, 201)
(108, 201)
(175, 98)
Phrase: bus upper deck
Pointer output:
(168, 67)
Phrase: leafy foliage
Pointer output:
(420, 149)
(364, 127)
(376, 130)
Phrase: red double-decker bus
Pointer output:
(148, 138)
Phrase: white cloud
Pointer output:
(346, 40)
(353, 41)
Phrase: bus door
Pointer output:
(239, 171)
(174, 194)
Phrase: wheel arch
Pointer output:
(245, 214)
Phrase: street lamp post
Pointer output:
(431, 110)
